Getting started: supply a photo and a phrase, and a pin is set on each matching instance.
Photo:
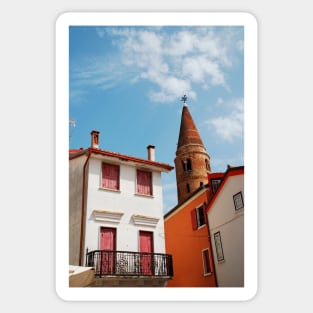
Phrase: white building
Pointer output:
(225, 216)
(116, 216)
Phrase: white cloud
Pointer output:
(229, 127)
(170, 88)
(180, 43)
(200, 69)
(101, 73)
(175, 62)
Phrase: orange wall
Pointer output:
(186, 245)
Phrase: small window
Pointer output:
(188, 188)
(215, 183)
(206, 262)
(187, 165)
(207, 165)
(198, 217)
(218, 247)
(238, 201)
(144, 183)
(110, 176)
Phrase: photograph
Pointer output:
(156, 155)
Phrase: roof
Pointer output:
(73, 151)
(188, 133)
(231, 171)
(76, 153)
(193, 194)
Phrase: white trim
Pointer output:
(145, 220)
(107, 216)
(210, 262)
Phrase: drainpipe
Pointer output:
(82, 224)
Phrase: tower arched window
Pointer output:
(187, 165)
(207, 164)
(188, 188)
(189, 168)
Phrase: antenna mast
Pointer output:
(72, 124)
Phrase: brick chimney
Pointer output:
(151, 153)
(95, 139)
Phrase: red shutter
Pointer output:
(110, 176)
(194, 222)
(144, 183)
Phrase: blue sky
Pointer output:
(127, 83)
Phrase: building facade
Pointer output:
(116, 216)
(225, 216)
(187, 241)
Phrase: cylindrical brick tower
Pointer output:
(192, 163)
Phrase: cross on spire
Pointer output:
(184, 98)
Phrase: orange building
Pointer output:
(186, 232)
(186, 239)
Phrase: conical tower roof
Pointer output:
(188, 133)
(192, 162)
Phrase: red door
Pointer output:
(107, 243)
(146, 250)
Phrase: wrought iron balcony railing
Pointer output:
(126, 263)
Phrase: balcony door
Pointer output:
(107, 243)
(146, 250)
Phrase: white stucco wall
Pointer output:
(123, 201)
(222, 217)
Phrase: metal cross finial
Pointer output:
(184, 98)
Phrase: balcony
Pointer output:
(107, 263)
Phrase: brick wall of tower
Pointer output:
(190, 176)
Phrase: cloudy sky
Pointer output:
(127, 83)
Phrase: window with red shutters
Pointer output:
(110, 176)
(144, 183)
(194, 222)
(198, 217)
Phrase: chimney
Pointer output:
(95, 139)
(151, 154)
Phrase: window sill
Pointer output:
(207, 274)
(108, 189)
(145, 196)
(239, 209)
(202, 226)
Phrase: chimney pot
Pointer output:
(151, 153)
(95, 139)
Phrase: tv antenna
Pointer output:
(72, 124)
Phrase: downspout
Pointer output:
(82, 224)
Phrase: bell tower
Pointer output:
(192, 163)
